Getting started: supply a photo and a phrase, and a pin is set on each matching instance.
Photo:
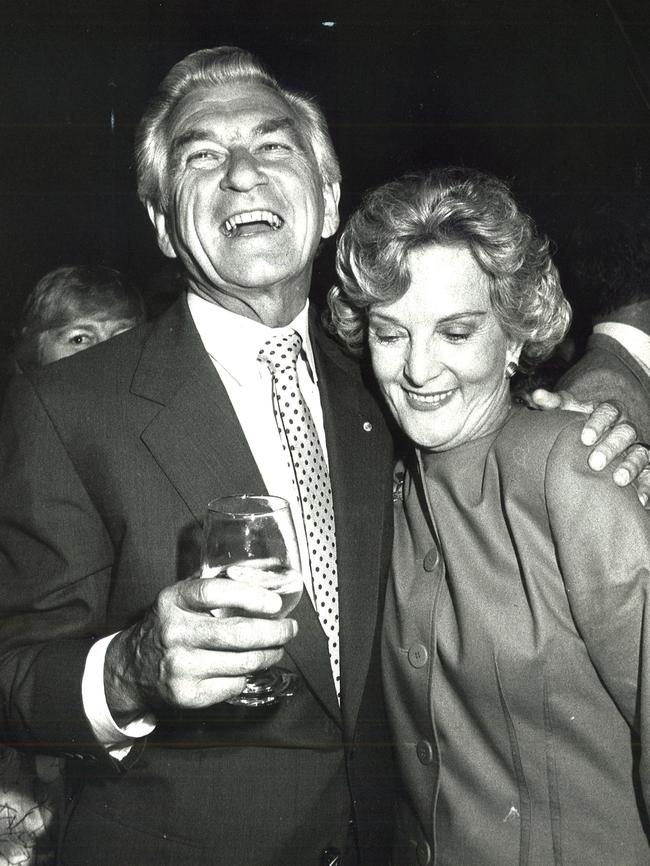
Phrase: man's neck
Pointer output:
(275, 306)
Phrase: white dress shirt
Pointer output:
(233, 343)
(636, 341)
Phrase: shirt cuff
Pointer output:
(117, 741)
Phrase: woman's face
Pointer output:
(439, 353)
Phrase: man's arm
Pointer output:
(56, 565)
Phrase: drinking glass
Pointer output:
(256, 532)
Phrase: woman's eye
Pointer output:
(456, 336)
(386, 337)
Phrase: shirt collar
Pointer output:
(636, 341)
(233, 341)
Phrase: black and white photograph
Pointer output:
(325, 433)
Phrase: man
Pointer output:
(108, 466)
(613, 272)
(109, 651)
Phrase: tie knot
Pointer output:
(281, 352)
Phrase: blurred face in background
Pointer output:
(81, 332)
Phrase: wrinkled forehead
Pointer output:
(233, 111)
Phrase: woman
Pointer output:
(516, 665)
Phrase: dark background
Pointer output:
(554, 96)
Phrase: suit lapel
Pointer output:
(195, 437)
(358, 458)
(197, 441)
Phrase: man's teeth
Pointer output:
(253, 216)
(430, 399)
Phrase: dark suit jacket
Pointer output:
(107, 461)
(607, 371)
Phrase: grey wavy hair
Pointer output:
(449, 206)
(211, 67)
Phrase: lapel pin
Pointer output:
(367, 426)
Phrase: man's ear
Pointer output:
(159, 221)
(331, 196)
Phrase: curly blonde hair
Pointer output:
(449, 206)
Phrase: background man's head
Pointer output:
(73, 308)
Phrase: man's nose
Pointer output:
(422, 362)
(242, 171)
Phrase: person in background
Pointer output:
(107, 645)
(72, 308)
(611, 249)
(515, 654)
(69, 310)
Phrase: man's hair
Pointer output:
(608, 255)
(65, 294)
(445, 207)
(212, 67)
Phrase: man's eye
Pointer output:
(202, 157)
(274, 147)
(79, 339)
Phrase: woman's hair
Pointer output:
(67, 293)
(212, 67)
(444, 207)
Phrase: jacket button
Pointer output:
(330, 857)
(431, 560)
(417, 655)
(423, 852)
(424, 752)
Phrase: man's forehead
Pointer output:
(246, 102)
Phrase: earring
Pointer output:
(511, 369)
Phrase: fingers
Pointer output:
(543, 399)
(205, 659)
(208, 594)
(612, 445)
(600, 422)
(643, 488)
(632, 465)
(201, 678)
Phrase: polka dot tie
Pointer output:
(310, 473)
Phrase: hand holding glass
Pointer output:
(252, 539)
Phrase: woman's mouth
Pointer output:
(427, 401)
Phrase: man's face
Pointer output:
(81, 332)
(247, 206)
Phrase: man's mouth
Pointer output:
(428, 401)
(251, 222)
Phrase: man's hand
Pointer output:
(180, 655)
(612, 437)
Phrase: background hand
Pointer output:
(180, 655)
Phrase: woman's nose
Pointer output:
(422, 364)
